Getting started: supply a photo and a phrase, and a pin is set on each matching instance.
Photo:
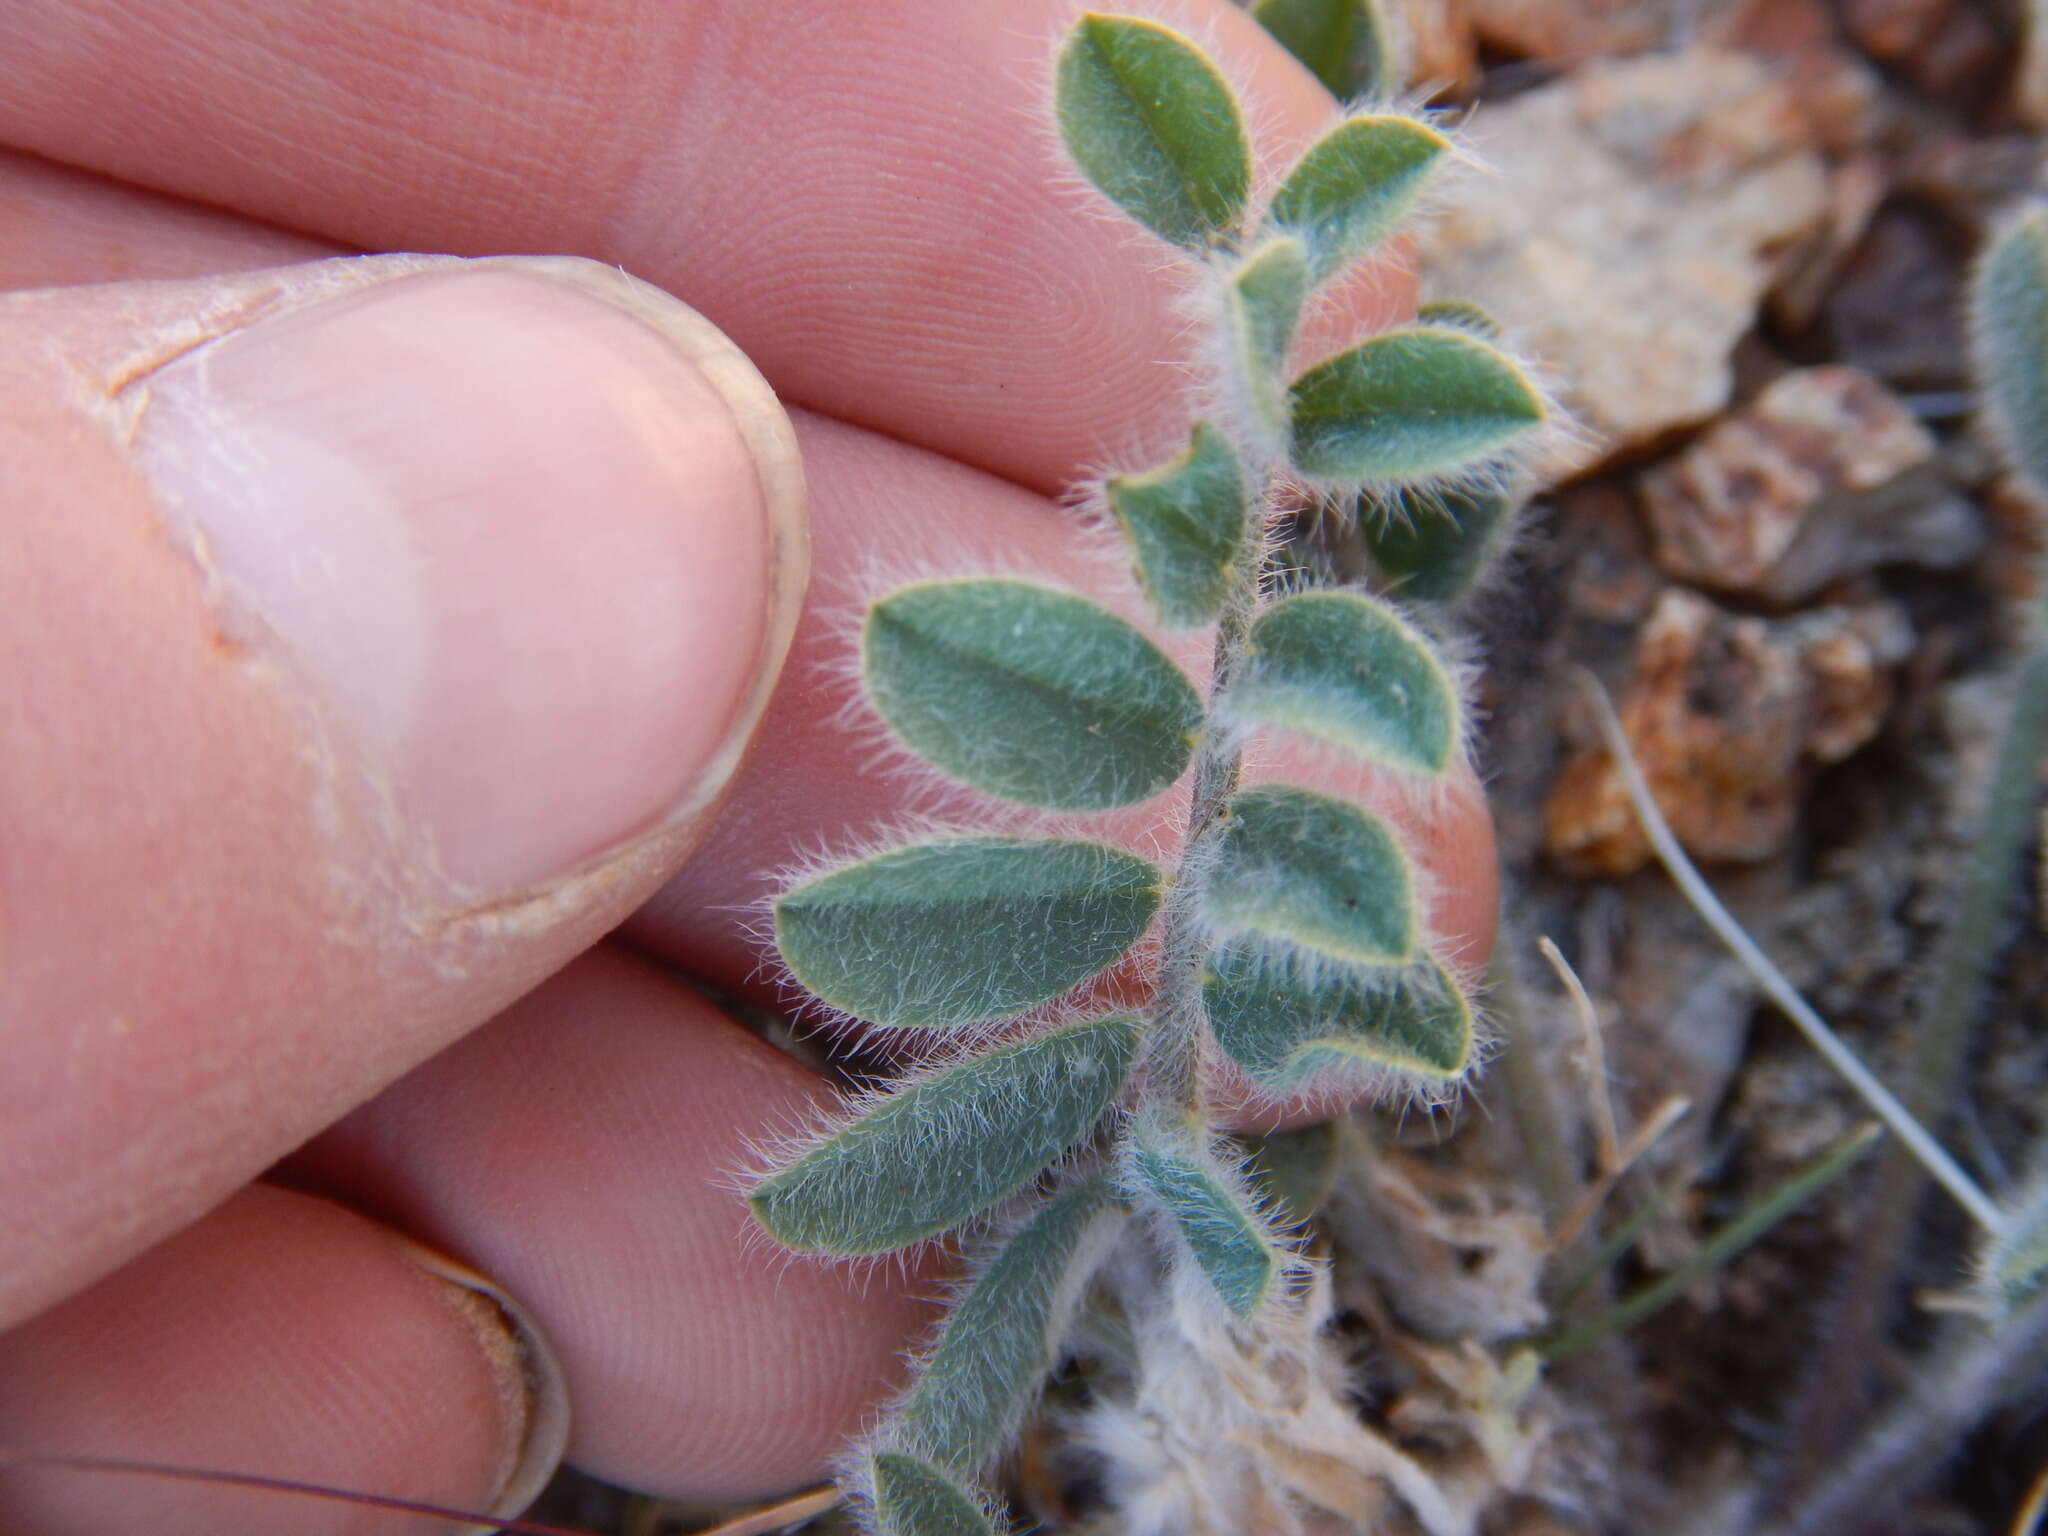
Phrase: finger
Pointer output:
(818, 781)
(373, 635)
(284, 1336)
(861, 193)
(814, 785)
(584, 1150)
(59, 225)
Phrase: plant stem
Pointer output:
(1177, 1013)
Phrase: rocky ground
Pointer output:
(1736, 236)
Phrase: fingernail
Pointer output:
(528, 532)
(533, 1393)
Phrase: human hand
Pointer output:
(366, 663)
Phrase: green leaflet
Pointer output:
(912, 1499)
(1413, 404)
(1347, 43)
(1433, 549)
(950, 1145)
(1295, 1169)
(1152, 124)
(1342, 668)
(1029, 693)
(1303, 871)
(1265, 301)
(1226, 1238)
(964, 929)
(2010, 321)
(1185, 522)
(1003, 1337)
(1354, 187)
(1285, 1020)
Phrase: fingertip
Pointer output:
(390, 627)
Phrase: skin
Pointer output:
(495, 1081)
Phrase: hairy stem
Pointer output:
(1177, 1014)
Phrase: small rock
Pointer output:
(1443, 53)
(1964, 62)
(1571, 31)
(1949, 48)
(1612, 579)
(1632, 229)
(1892, 31)
(1811, 482)
(1727, 716)
(1972, 180)
(1840, 96)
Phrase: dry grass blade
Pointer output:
(1607, 1139)
(781, 1515)
(1937, 1162)
(1662, 1118)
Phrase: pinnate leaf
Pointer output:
(1342, 668)
(1418, 403)
(1029, 693)
(2010, 320)
(948, 1146)
(1265, 302)
(1224, 1235)
(1004, 1336)
(913, 1499)
(1355, 186)
(1185, 523)
(1152, 124)
(964, 929)
(1287, 1018)
(1304, 871)
(1346, 43)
